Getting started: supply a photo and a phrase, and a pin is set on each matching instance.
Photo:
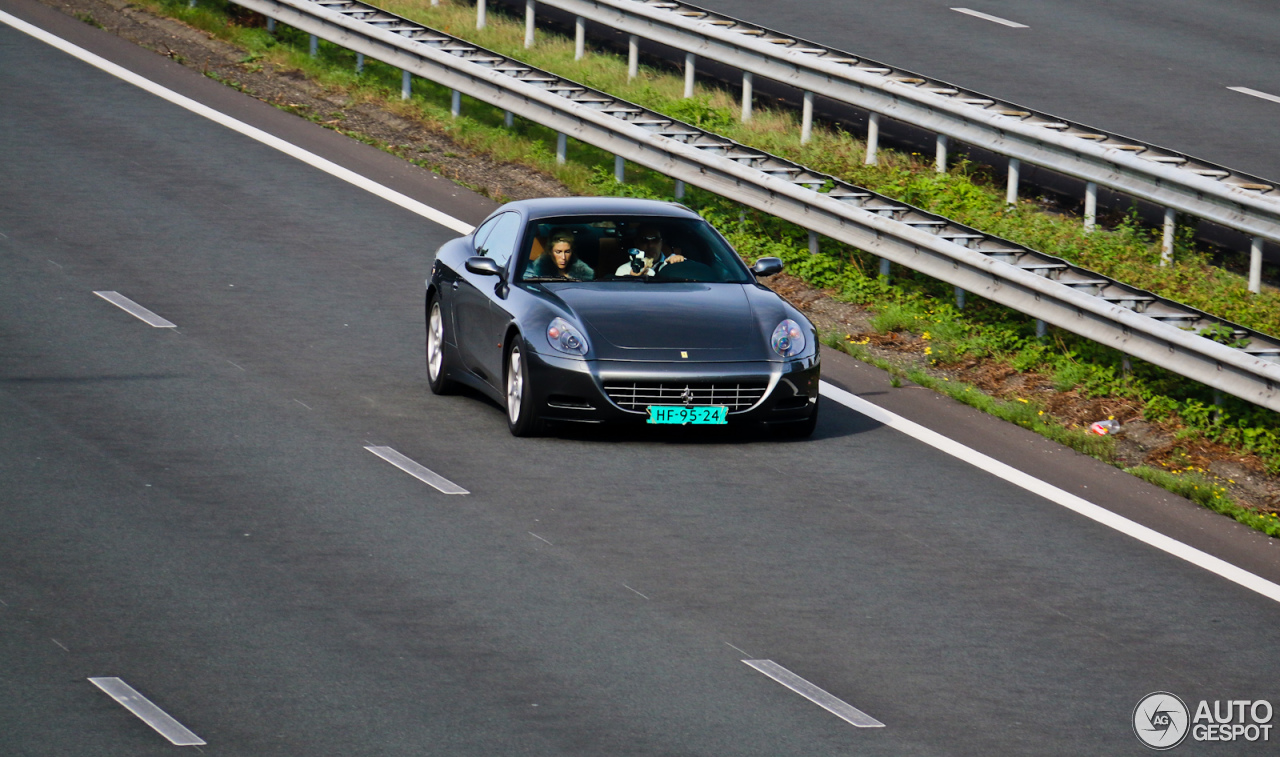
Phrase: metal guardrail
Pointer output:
(1136, 322)
(1170, 179)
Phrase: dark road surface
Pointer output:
(193, 510)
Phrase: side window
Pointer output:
(483, 232)
(502, 240)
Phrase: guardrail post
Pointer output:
(884, 268)
(940, 154)
(315, 45)
(1255, 265)
(480, 13)
(562, 147)
(633, 56)
(455, 104)
(679, 189)
(746, 96)
(508, 119)
(1011, 194)
(873, 138)
(619, 169)
(1166, 247)
(271, 26)
(359, 63)
(806, 118)
(1042, 329)
(405, 89)
(813, 243)
(1090, 206)
(528, 22)
(579, 37)
(689, 62)
(959, 298)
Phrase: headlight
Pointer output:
(787, 339)
(565, 338)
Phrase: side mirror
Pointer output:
(763, 266)
(483, 266)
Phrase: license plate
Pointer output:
(681, 415)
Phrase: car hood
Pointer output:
(665, 316)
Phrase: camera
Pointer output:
(637, 260)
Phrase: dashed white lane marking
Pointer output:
(310, 158)
(417, 470)
(1256, 93)
(820, 697)
(988, 17)
(1054, 494)
(539, 538)
(60, 644)
(628, 588)
(153, 716)
(136, 310)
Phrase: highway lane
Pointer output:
(193, 510)
(1153, 70)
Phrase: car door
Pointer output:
(478, 344)
(500, 245)
(470, 298)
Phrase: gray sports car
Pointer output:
(592, 310)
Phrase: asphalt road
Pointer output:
(193, 509)
(1154, 70)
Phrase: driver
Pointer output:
(559, 262)
(647, 257)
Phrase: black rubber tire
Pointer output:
(437, 361)
(522, 417)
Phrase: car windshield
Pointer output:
(652, 249)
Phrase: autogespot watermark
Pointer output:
(1162, 720)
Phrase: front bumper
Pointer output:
(600, 391)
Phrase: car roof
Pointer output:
(549, 207)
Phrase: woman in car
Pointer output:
(559, 261)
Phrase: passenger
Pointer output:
(559, 261)
(647, 256)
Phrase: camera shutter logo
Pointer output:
(1160, 720)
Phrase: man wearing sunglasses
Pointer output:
(647, 256)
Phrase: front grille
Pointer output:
(737, 395)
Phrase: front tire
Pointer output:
(522, 417)
(437, 363)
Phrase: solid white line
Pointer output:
(987, 17)
(1054, 494)
(417, 470)
(820, 697)
(136, 310)
(1255, 93)
(291, 150)
(153, 716)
